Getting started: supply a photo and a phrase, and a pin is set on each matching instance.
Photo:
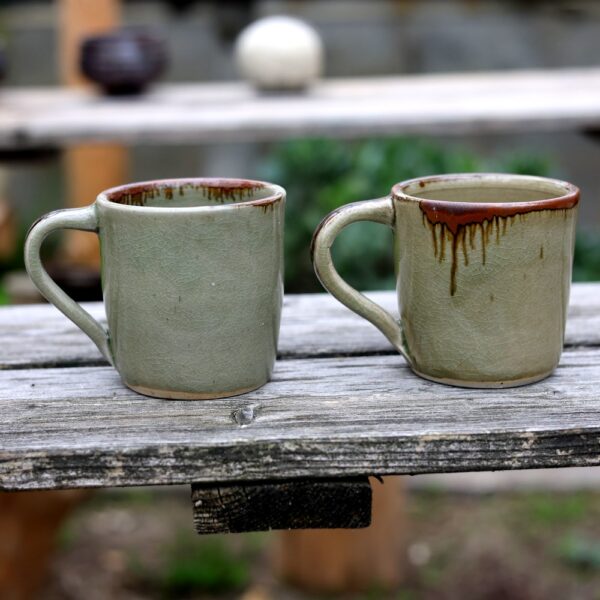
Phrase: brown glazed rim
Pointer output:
(456, 214)
(112, 195)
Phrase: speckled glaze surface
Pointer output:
(483, 265)
(192, 278)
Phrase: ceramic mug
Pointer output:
(483, 265)
(191, 278)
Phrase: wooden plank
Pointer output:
(436, 104)
(285, 504)
(312, 325)
(317, 418)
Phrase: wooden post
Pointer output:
(333, 561)
(8, 221)
(29, 523)
(89, 168)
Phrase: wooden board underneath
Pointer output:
(327, 417)
(286, 504)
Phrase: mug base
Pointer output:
(178, 395)
(486, 384)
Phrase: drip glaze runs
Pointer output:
(458, 226)
(139, 195)
(464, 241)
(456, 214)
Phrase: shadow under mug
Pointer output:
(483, 265)
(192, 280)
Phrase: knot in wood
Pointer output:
(244, 415)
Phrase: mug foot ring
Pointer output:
(178, 395)
(486, 384)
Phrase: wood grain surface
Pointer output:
(80, 427)
(213, 112)
(340, 404)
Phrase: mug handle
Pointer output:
(381, 211)
(84, 219)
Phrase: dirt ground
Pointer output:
(140, 544)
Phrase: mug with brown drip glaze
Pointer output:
(192, 279)
(483, 265)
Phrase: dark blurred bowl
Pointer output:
(123, 62)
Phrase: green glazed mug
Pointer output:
(192, 280)
(483, 265)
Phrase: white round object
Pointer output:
(279, 53)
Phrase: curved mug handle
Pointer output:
(84, 219)
(381, 211)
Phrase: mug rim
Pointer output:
(568, 199)
(107, 197)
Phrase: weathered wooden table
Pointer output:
(342, 405)
(437, 104)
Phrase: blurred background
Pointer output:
(499, 536)
(360, 39)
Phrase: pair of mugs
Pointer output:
(192, 278)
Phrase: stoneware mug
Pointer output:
(192, 283)
(483, 265)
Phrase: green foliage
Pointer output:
(546, 509)
(125, 497)
(321, 175)
(67, 536)
(4, 298)
(193, 565)
(580, 553)
(208, 566)
(586, 265)
(522, 163)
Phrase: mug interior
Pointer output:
(190, 193)
(485, 188)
